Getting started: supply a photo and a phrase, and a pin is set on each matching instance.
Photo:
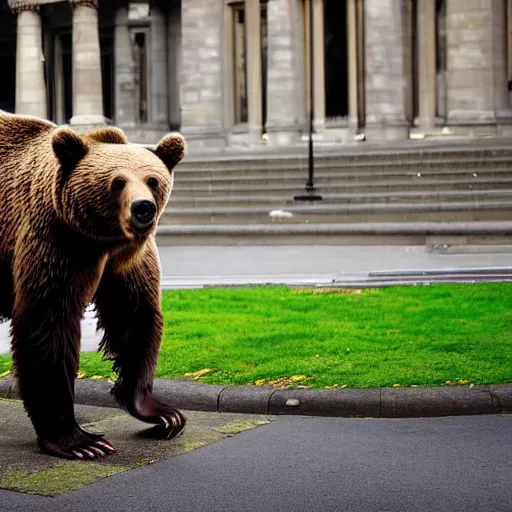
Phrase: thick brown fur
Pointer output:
(71, 234)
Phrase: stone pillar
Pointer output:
(509, 49)
(476, 62)
(253, 63)
(125, 104)
(385, 71)
(87, 86)
(426, 33)
(286, 90)
(30, 84)
(319, 72)
(174, 65)
(502, 108)
(159, 90)
(201, 73)
(352, 64)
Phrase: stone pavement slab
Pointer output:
(24, 469)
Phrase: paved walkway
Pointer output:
(307, 465)
(227, 265)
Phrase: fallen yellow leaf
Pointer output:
(97, 377)
(298, 378)
(463, 382)
(81, 375)
(201, 373)
(396, 385)
(5, 374)
(260, 382)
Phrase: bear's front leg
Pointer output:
(128, 303)
(48, 305)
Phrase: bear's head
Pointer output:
(108, 189)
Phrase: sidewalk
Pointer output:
(24, 469)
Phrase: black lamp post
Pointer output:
(310, 194)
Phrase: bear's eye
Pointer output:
(153, 183)
(118, 184)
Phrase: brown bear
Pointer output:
(78, 214)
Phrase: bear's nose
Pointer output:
(143, 213)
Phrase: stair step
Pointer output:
(334, 188)
(356, 198)
(334, 234)
(343, 168)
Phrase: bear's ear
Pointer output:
(171, 149)
(69, 147)
(108, 135)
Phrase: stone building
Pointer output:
(236, 72)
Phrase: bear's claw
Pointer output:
(82, 445)
(149, 410)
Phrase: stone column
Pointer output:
(253, 63)
(87, 86)
(426, 32)
(159, 89)
(385, 71)
(286, 80)
(502, 108)
(509, 49)
(30, 83)
(476, 62)
(174, 65)
(352, 64)
(125, 104)
(319, 71)
(201, 73)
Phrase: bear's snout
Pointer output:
(143, 214)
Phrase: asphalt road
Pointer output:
(299, 464)
(200, 265)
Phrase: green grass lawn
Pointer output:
(358, 338)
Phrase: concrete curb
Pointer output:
(367, 403)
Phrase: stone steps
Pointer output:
(334, 184)
(344, 168)
(363, 155)
(341, 213)
(370, 195)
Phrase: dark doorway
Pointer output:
(107, 72)
(411, 48)
(66, 41)
(264, 63)
(7, 58)
(336, 58)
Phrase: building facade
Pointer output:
(237, 72)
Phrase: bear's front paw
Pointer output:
(80, 445)
(170, 421)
